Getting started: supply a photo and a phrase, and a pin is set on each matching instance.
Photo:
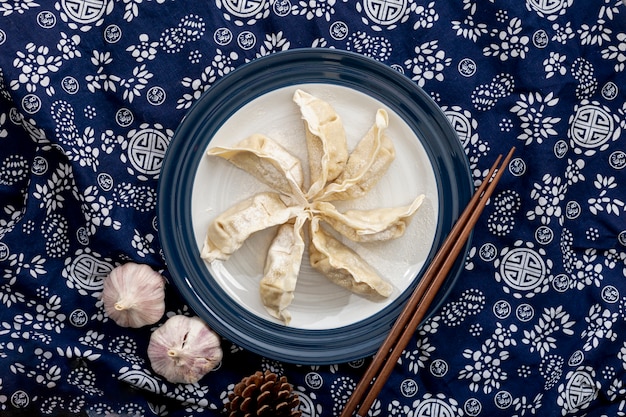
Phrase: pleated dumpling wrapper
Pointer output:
(282, 267)
(326, 142)
(334, 174)
(228, 231)
(367, 163)
(266, 160)
(369, 225)
(343, 266)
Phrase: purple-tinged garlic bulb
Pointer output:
(134, 295)
(184, 349)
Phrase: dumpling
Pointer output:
(344, 267)
(326, 142)
(282, 267)
(367, 163)
(369, 225)
(267, 160)
(228, 231)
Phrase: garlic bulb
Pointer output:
(134, 295)
(184, 349)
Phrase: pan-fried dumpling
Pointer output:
(369, 225)
(325, 140)
(266, 160)
(282, 266)
(344, 267)
(369, 160)
(228, 231)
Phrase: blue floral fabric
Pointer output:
(91, 92)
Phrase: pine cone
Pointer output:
(263, 394)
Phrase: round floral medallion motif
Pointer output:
(579, 391)
(549, 8)
(384, 12)
(147, 150)
(591, 126)
(522, 269)
(461, 123)
(434, 407)
(84, 11)
(244, 8)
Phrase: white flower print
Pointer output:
(13, 217)
(622, 355)
(610, 8)
(523, 406)
(586, 272)
(617, 390)
(602, 202)
(468, 28)
(75, 353)
(541, 337)
(92, 339)
(8, 296)
(512, 43)
(426, 16)
(51, 193)
(429, 63)
(3, 132)
(131, 8)
(84, 150)
(42, 373)
(594, 34)
(101, 80)
(617, 53)
(145, 50)
(222, 64)
(143, 244)
(599, 326)
(274, 42)
(485, 369)
(36, 64)
(198, 86)
(418, 358)
(21, 6)
(132, 86)
(315, 9)
(554, 64)
(573, 172)
(68, 46)
(549, 197)
(562, 34)
(503, 336)
(108, 141)
(48, 315)
(17, 264)
(97, 210)
(536, 126)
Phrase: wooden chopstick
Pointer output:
(423, 295)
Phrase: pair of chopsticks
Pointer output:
(423, 295)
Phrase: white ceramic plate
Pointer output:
(318, 303)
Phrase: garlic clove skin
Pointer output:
(184, 349)
(134, 295)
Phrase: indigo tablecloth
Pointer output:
(537, 322)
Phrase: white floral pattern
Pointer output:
(91, 93)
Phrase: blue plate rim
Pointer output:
(190, 140)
